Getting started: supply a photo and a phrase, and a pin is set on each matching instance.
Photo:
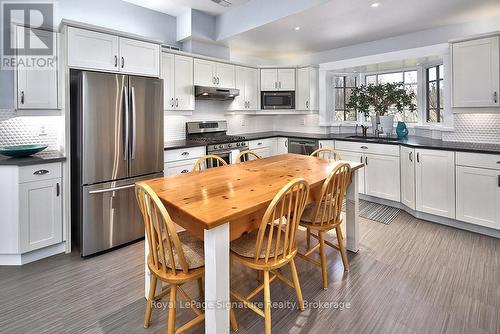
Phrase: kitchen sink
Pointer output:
(371, 138)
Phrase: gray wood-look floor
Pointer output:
(409, 277)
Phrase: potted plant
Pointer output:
(379, 98)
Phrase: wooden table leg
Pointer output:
(217, 279)
(352, 214)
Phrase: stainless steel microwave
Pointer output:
(278, 100)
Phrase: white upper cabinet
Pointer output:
(268, 79)
(476, 73)
(307, 89)
(177, 75)
(275, 79)
(37, 88)
(91, 49)
(213, 74)
(224, 75)
(246, 80)
(407, 159)
(435, 182)
(286, 79)
(138, 57)
(94, 50)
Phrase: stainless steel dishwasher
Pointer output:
(302, 146)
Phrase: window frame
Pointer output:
(344, 89)
(440, 110)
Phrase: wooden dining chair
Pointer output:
(208, 161)
(325, 215)
(245, 156)
(327, 154)
(273, 246)
(174, 257)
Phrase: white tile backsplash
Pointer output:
(477, 128)
(21, 130)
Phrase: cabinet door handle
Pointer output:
(364, 147)
(58, 189)
(116, 60)
(286, 143)
(41, 172)
(176, 102)
(361, 159)
(418, 157)
(307, 104)
(276, 84)
(259, 143)
(366, 161)
(279, 84)
(172, 102)
(410, 155)
(22, 97)
(123, 62)
(495, 97)
(185, 153)
(184, 171)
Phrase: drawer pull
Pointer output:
(364, 147)
(41, 172)
(259, 143)
(498, 162)
(185, 153)
(184, 171)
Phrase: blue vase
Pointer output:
(401, 130)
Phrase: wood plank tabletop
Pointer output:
(228, 193)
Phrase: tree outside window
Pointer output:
(409, 80)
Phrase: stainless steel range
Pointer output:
(213, 135)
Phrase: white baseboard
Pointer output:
(20, 259)
(435, 219)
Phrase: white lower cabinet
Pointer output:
(478, 189)
(281, 145)
(407, 161)
(40, 214)
(180, 161)
(263, 147)
(31, 206)
(356, 157)
(435, 182)
(326, 144)
(382, 176)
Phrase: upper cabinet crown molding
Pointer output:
(37, 88)
(100, 51)
(476, 73)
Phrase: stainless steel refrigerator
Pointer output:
(117, 127)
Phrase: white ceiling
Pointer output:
(340, 23)
(178, 7)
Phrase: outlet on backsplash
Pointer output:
(302, 121)
(243, 122)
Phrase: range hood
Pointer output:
(214, 93)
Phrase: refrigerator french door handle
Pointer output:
(134, 123)
(127, 123)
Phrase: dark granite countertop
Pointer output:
(43, 157)
(410, 141)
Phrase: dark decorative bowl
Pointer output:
(22, 150)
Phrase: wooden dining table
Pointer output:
(220, 204)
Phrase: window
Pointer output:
(434, 89)
(343, 88)
(409, 80)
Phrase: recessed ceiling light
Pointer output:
(297, 28)
(375, 4)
